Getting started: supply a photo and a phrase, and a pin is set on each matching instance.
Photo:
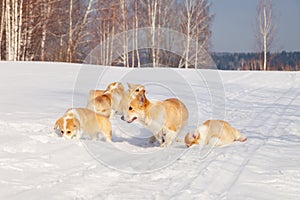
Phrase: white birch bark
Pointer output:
(266, 28)
(136, 33)
(8, 31)
(70, 35)
(153, 11)
(3, 13)
(46, 10)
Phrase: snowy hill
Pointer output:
(35, 163)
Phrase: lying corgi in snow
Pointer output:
(77, 122)
(165, 119)
(112, 100)
(214, 132)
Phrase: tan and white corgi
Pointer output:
(106, 102)
(114, 99)
(77, 122)
(94, 94)
(214, 132)
(165, 119)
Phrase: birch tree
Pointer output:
(76, 33)
(13, 24)
(2, 25)
(266, 29)
(124, 30)
(46, 9)
(195, 22)
(151, 7)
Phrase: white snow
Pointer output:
(35, 163)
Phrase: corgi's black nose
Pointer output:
(122, 118)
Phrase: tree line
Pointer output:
(281, 61)
(67, 31)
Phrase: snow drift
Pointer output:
(36, 163)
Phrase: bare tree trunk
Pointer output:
(8, 31)
(20, 38)
(112, 35)
(107, 43)
(265, 38)
(158, 39)
(266, 28)
(46, 10)
(100, 44)
(153, 19)
(14, 28)
(28, 54)
(70, 40)
(61, 48)
(188, 6)
(136, 32)
(125, 34)
(133, 45)
(3, 13)
(197, 47)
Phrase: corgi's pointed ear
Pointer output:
(142, 98)
(58, 123)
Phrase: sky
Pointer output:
(233, 27)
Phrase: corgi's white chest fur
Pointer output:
(156, 120)
(156, 125)
(203, 131)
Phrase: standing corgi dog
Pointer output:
(77, 122)
(165, 119)
(94, 94)
(214, 132)
(112, 100)
(106, 102)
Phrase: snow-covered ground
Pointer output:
(35, 163)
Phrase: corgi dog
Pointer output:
(106, 102)
(214, 132)
(94, 94)
(77, 122)
(112, 100)
(165, 119)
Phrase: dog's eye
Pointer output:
(137, 90)
(62, 132)
(130, 108)
(68, 132)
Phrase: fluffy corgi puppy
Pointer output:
(77, 122)
(214, 132)
(106, 102)
(114, 99)
(94, 94)
(165, 119)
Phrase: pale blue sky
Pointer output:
(233, 27)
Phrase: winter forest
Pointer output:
(66, 31)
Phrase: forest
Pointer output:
(68, 31)
(280, 61)
(128, 33)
